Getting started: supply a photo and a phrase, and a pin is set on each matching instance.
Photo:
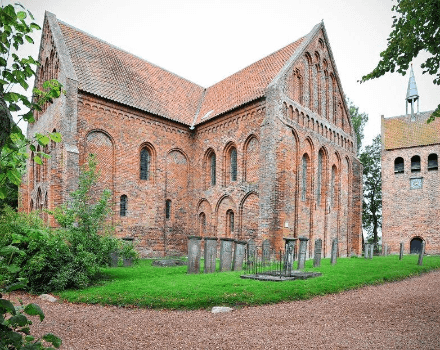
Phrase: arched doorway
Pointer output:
(415, 245)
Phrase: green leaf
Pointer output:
(53, 339)
(34, 310)
(29, 338)
(29, 39)
(43, 140)
(13, 268)
(7, 306)
(55, 136)
(16, 286)
(18, 320)
(14, 176)
(21, 15)
(3, 192)
(38, 160)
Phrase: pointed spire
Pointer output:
(412, 94)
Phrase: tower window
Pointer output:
(123, 205)
(415, 164)
(168, 209)
(432, 161)
(145, 164)
(233, 164)
(304, 178)
(213, 169)
(399, 165)
(229, 223)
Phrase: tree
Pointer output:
(372, 205)
(415, 26)
(14, 71)
(359, 121)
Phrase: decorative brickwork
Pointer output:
(224, 161)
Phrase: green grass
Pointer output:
(148, 286)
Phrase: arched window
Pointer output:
(415, 245)
(123, 206)
(432, 161)
(319, 179)
(212, 161)
(415, 164)
(233, 160)
(145, 164)
(304, 177)
(229, 223)
(202, 224)
(399, 165)
(168, 209)
(333, 186)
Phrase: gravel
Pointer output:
(399, 315)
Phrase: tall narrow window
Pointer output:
(415, 164)
(319, 179)
(399, 165)
(145, 164)
(333, 187)
(432, 161)
(213, 169)
(229, 223)
(233, 164)
(123, 206)
(202, 223)
(168, 209)
(304, 178)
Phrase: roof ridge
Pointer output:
(408, 115)
(126, 52)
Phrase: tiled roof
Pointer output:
(401, 132)
(246, 85)
(109, 72)
(114, 74)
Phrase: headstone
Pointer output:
(194, 254)
(289, 254)
(250, 252)
(401, 251)
(226, 253)
(239, 253)
(302, 252)
(366, 250)
(334, 253)
(114, 258)
(210, 254)
(371, 251)
(317, 255)
(168, 262)
(127, 261)
(422, 252)
(385, 249)
(266, 251)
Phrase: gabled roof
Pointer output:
(109, 72)
(401, 132)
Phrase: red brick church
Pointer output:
(268, 152)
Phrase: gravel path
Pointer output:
(400, 315)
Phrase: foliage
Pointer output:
(372, 205)
(149, 286)
(16, 71)
(359, 121)
(415, 28)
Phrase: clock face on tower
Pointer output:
(416, 183)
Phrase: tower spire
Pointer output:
(412, 94)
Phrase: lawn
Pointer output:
(149, 286)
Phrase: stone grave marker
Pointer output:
(317, 255)
(302, 252)
(266, 251)
(194, 254)
(385, 249)
(289, 254)
(401, 251)
(239, 253)
(226, 254)
(371, 251)
(422, 252)
(114, 258)
(366, 250)
(334, 253)
(210, 254)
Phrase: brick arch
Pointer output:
(209, 175)
(249, 209)
(204, 228)
(251, 159)
(230, 146)
(153, 159)
(224, 204)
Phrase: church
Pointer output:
(269, 152)
(410, 179)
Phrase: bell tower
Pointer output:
(412, 95)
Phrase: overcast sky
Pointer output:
(205, 41)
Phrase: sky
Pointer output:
(205, 41)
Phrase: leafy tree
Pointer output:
(372, 205)
(14, 70)
(415, 26)
(359, 121)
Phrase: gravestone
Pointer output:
(289, 254)
(334, 252)
(317, 255)
(194, 254)
(366, 250)
(401, 251)
(302, 252)
(239, 253)
(210, 254)
(385, 249)
(422, 252)
(371, 251)
(266, 251)
(251, 253)
(226, 254)
(114, 258)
